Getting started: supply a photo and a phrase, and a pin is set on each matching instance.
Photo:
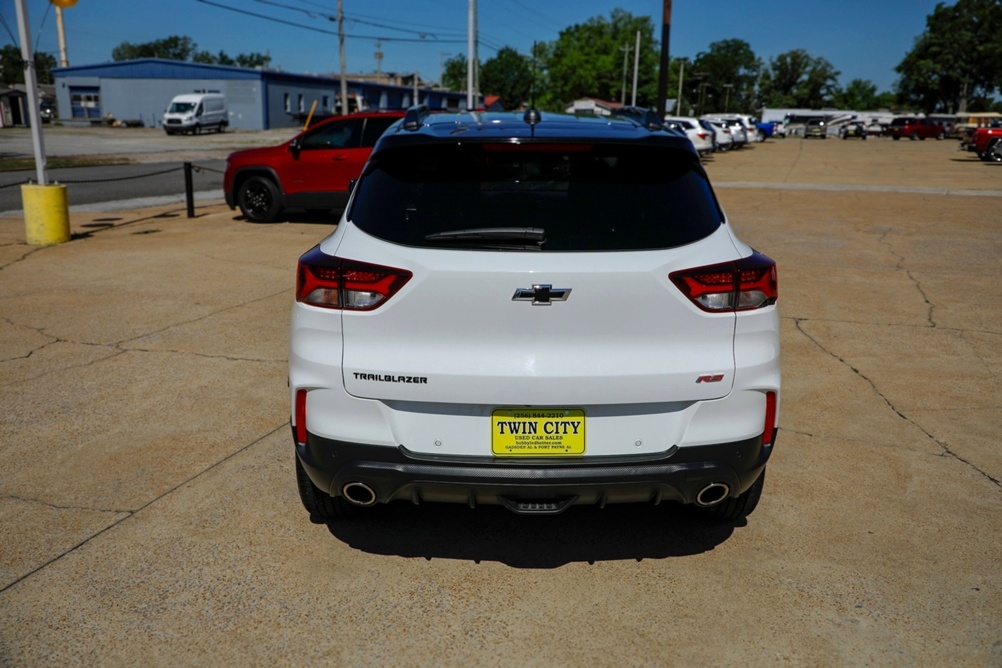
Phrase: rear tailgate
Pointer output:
(465, 329)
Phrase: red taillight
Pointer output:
(748, 283)
(769, 430)
(300, 416)
(331, 282)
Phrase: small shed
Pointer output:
(13, 108)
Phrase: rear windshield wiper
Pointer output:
(495, 237)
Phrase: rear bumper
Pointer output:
(397, 474)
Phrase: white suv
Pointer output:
(701, 138)
(535, 311)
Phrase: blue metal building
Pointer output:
(138, 91)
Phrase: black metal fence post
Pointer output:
(189, 193)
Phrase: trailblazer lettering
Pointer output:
(391, 379)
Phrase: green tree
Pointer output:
(12, 66)
(595, 59)
(252, 60)
(508, 75)
(249, 60)
(209, 59)
(797, 79)
(454, 74)
(857, 94)
(169, 48)
(725, 76)
(957, 60)
(183, 48)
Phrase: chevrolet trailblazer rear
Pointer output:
(520, 310)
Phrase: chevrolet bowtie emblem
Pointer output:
(543, 294)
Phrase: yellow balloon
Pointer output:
(63, 3)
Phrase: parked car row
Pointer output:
(710, 134)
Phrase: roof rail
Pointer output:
(414, 116)
(646, 117)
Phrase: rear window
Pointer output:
(582, 197)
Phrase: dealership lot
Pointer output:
(148, 499)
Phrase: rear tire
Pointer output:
(733, 509)
(259, 199)
(994, 152)
(321, 507)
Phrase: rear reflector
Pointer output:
(747, 284)
(328, 281)
(300, 416)
(769, 429)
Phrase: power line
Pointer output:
(330, 32)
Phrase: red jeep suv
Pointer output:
(311, 171)
(916, 128)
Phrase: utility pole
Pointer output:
(636, 63)
(340, 41)
(681, 78)
(471, 55)
(626, 57)
(663, 76)
(379, 58)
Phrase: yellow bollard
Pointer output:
(46, 214)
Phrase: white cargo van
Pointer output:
(194, 112)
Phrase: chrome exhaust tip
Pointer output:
(712, 494)
(359, 494)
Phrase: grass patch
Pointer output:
(21, 164)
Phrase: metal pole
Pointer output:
(189, 190)
(31, 83)
(681, 78)
(626, 57)
(663, 77)
(340, 40)
(471, 27)
(636, 63)
(61, 30)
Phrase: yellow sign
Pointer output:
(537, 432)
(63, 4)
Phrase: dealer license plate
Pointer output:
(537, 432)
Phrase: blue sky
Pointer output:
(861, 39)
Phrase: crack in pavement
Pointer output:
(900, 265)
(133, 513)
(119, 347)
(946, 451)
(55, 506)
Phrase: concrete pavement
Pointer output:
(148, 502)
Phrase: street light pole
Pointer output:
(61, 31)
